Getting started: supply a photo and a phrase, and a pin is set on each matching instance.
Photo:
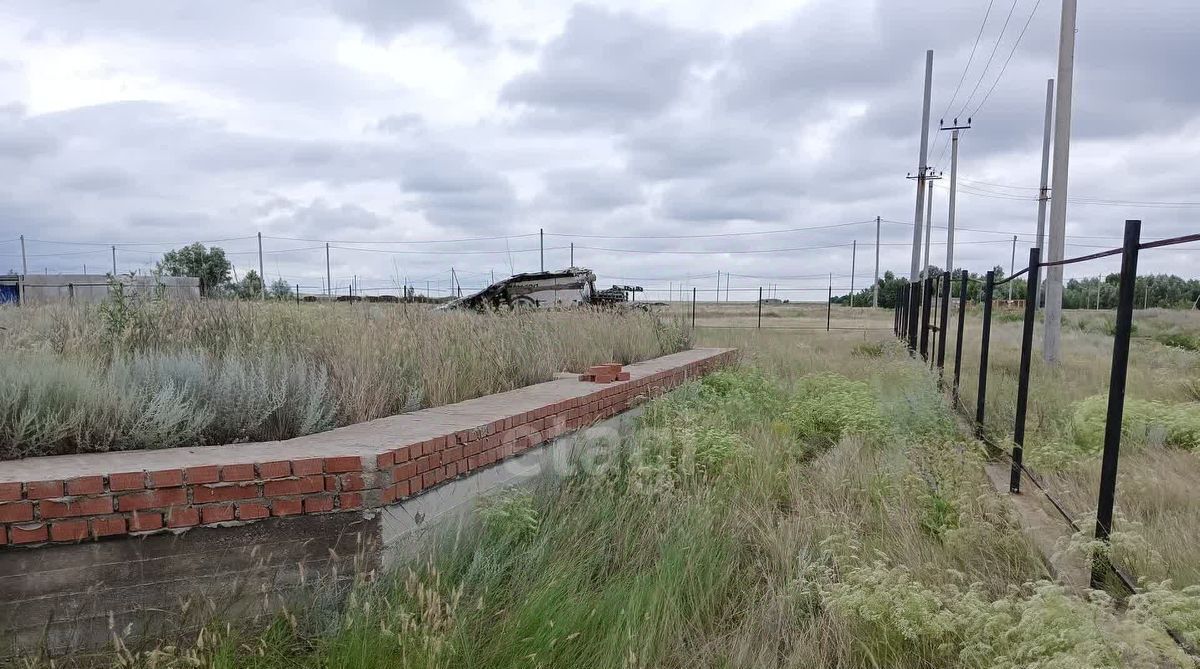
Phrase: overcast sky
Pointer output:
(149, 124)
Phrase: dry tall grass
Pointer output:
(817, 508)
(152, 374)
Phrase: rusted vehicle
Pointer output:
(574, 286)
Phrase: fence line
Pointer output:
(908, 322)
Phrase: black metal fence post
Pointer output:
(935, 288)
(984, 344)
(693, 307)
(962, 314)
(902, 304)
(760, 307)
(896, 318)
(1014, 477)
(911, 313)
(1116, 395)
(943, 322)
(926, 303)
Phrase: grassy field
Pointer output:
(817, 506)
(134, 374)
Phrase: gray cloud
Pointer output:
(624, 123)
(384, 19)
(589, 190)
(608, 68)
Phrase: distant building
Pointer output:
(89, 288)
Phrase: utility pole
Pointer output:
(929, 179)
(718, 285)
(726, 286)
(542, 247)
(114, 252)
(875, 294)
(853, 263)
(1058, 185)
(1012, 267)
(953, 189)
(1044, 192)
(572, 254)
(921, 168)
(262, 278)
(328, 274)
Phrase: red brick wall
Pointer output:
(93, 506)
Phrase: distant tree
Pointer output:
(280, 289)
(207, 264)
(250, 286)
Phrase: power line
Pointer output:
(991, 57)
(446, 253)
(970, 58)
(711, 235)
(1010, 56)
(403, 241)
(123, 244)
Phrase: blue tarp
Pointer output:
(9, 294)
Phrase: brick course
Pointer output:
(80, 505)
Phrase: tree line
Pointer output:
(1166, 291)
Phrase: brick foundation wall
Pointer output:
(72, 499)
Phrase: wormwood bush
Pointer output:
(893, 615)
(1144, 422)
(827, 406)
(1160, 605)
(53, 405)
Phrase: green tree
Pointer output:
(280, 289)
(207, 264)
(250, 286)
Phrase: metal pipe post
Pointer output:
(984, 344)
(942, 323)
(912, 313)
(958, 344)
(829, 305)
(926, 303)
(1014, 479)
(1116, 393)
(760, 307)
(693, 307)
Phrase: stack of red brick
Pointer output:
(606, 373)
